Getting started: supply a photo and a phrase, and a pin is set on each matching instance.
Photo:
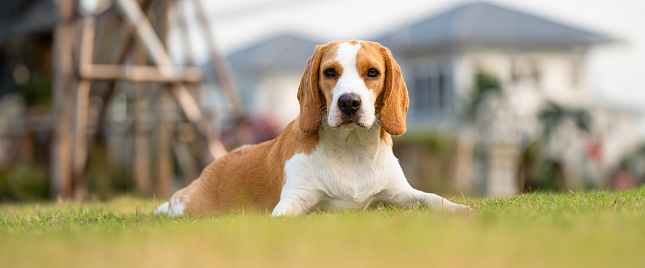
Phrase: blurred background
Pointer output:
(104, 97)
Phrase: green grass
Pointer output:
(582, 229)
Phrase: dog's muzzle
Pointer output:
(349, 104)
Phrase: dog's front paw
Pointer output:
(280, 212)
(285, 208)
(457, 208)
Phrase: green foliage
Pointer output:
(24, 182)
(484, 83)
(435, 142)
(553, 115)
(634, 161)
(581, 229)
(487, 82)
(428, 155)
(545, 176)
(37, 91)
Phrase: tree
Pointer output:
(485, 83)
(553, 116)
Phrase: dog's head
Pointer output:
(353, 83)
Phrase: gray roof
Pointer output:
(488, 24)
(285, 52)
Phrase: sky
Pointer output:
(616, 71)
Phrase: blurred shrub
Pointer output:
(37, 91)
(434, 141)
(426, 158)
(552, 115)
(484, 83)
(24, 182)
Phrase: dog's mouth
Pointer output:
(352, 121)
(349, 121)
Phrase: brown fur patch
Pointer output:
(251, 176)
(394, 101)
(309, 98)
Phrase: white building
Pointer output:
(535, 59)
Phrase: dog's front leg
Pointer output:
(401, 193)
(412, 197)
(290, 207)
(295, 199)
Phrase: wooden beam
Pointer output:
(79, 142)
(164, 167)
(138, 73)
(127, 35)
(61, 179)
(81, 110)
(186, 42)
(219, 64)
(134, 15)
(144, 30)
(141, 159)
(186, 162)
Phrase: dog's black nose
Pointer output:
(349, 103)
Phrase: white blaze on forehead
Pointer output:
(349, 81)
(346, 55)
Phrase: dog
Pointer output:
(337, 154)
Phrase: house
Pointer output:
(535, 58)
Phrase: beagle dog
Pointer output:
(337, 154)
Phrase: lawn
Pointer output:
(581, 229)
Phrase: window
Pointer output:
(536, 74)
(575, 73)
(431, 96)
(442, 100)
(525, 70)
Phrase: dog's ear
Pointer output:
(395, 97)
(309, 94)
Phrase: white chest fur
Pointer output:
(347, 170)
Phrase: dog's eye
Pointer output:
(372, 73)
(331, 73)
